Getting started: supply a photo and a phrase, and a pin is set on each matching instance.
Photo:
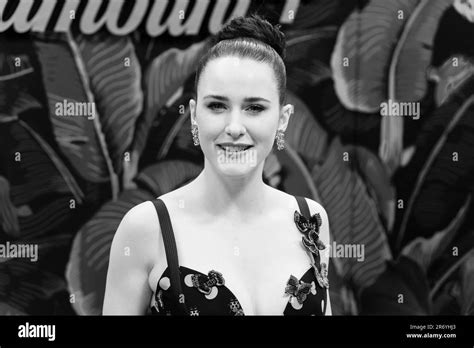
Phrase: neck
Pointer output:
(238, 197)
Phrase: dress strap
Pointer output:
(304, 209)
(171, 254)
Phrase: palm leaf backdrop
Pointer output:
(82, 142)
(399, 187)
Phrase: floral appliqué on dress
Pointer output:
(299, 290)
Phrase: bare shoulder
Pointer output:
(139, 229)
(173, 198)
(140, 220)
(131, 259)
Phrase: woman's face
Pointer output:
(238, 114)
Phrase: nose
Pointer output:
(235, 128)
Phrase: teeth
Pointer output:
(234, 148)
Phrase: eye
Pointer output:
(216, 106)
(255, 108)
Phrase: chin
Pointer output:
(235, 170)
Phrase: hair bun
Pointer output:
(255, 27)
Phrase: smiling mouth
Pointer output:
(234, 148)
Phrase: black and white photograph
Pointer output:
(212, 158)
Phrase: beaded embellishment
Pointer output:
(310, 240)
(322, 277)
(205, 283)
(299, 289)
(310, 230)
(235, 307)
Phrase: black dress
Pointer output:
(184, 291)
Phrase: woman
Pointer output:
(227, 243)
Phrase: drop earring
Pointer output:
(280, 140)
(195, 132)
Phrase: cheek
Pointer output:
(208, 124)
(263, 134)
(265, 128)
(210, 128)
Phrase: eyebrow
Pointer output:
(247, 99)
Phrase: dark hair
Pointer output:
(250, 37)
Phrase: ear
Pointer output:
(286, 112)
(192, 111)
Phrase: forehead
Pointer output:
(234, 76)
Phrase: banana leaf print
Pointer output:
(401, 290)
(382, 53)
(115, 80)
(388, 57)
(39, 174)
(319, 13)
(310, 77)
(306, 66)
(353, 217)
(451, 76)
(401, 189)
(80, 139)
(425, 250)
(378, 182)
(165, 75)
(32, 288)
(301, 130)
(443, 146)
(170, 136)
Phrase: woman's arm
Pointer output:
(127, 291)
(314, 208)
